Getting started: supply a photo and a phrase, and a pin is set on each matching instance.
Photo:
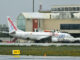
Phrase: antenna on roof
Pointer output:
(40, 7)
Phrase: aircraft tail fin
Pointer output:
(12, 27)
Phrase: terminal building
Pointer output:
(67, 11)
(62, 18)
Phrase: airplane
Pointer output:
(16, 33)
(63, 37)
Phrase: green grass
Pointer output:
(41, 50)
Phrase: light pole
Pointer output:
(33, 5)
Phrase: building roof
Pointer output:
(36, 15)
(58, 6)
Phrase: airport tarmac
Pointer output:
(23, 57)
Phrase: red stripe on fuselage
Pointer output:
(12, 24)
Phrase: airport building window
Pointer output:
(70, 26)
(59, 9)
(56, 9)
(62, 9)
(78, 9)
(69, 9)
(21, 23)
(74, 9)
(66, 9)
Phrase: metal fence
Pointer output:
(42, 44)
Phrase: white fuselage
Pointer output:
(31, 35)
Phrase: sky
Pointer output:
(13, 8)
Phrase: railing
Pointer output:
(42, 44)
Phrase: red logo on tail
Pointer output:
(12, 24)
